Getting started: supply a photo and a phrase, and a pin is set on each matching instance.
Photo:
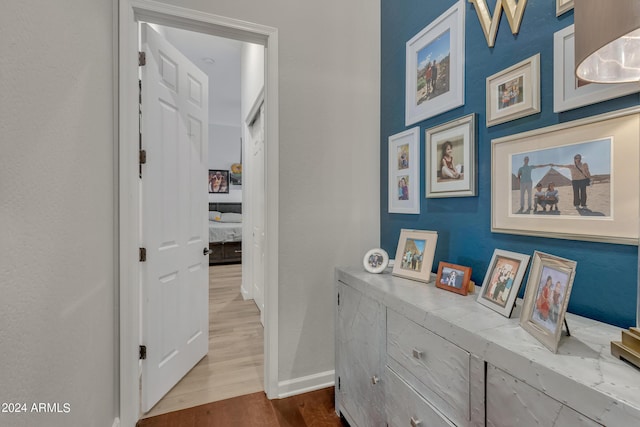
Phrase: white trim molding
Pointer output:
(306, 384)
(130, 12)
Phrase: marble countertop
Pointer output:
(583, 374)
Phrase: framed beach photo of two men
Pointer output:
(575, 180)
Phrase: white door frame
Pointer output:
(131, 11)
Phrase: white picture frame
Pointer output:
(375, 260)
(611, 216)
(503, 280)
(404, 172)
(441, 41)
(514, 92)
(568, 92)
(414, 254)
(563, 6)
(460, 135)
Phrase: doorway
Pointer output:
(233, 364)
(129, 193)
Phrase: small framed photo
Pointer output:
(435, 67)
(218, 181)
(563, 6)
(451, 156)
(376, 260)
(502, 281)
(404, 172)
(569, 92)
(514, 92)
(546, 298)
(454, 278)
(414, 255)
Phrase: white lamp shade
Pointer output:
(607, 40)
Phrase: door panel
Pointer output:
(175, 289)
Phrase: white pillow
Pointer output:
(231, 217)
(215, 216)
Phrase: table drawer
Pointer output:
(441, 366)
(511, 402)
(406, 408)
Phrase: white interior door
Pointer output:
(175, 290)
(257, 209)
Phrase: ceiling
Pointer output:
(219, 58)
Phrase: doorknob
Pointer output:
(205, 251)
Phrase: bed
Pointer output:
(225, 233)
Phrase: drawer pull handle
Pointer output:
(374, 380)
(415, 423)
(417, 354)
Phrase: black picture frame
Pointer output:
(218, 181)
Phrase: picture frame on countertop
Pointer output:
(435, 67)
(404, 172)
(591, 199)
(503, 280)
(546, 298)
(376, 260)
(569, 92)
(414, 254)
(514, 92)
(451, 155)
(453, 278)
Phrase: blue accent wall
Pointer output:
(605, 285)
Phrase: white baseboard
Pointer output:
(245, 294)
(116, 422)
(306, 384)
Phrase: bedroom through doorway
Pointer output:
(234, 365)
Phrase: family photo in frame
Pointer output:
(588, 162)
(546, 298)
(502, 281)
(414, 254)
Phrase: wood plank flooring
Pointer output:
(234, 365)
(314, 409)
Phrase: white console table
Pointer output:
(410, 354)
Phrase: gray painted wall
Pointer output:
(329, 79)
(58, 335)
(58, 314)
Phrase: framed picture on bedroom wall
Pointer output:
(404, 172)
(218, 181)
(435, 67)
(451, 158)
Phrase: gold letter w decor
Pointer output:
(513, 10)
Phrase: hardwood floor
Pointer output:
(235, 362)
(314, 409)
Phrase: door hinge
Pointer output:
(339, 383)
(142, 59)
(338, 298)
(143, 254)
(143, 157)
(143, 352)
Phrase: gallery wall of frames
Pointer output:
(460, 119)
